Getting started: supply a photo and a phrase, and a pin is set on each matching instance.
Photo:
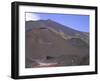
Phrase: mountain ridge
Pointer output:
(57, 27)
(52, 42)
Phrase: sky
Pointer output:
(77, 22)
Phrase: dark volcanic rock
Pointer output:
(50, 42)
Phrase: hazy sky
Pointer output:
(78, 22)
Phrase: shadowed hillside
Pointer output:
(49, 43)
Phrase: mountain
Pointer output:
(50, 42)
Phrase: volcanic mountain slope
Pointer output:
(50, 42)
